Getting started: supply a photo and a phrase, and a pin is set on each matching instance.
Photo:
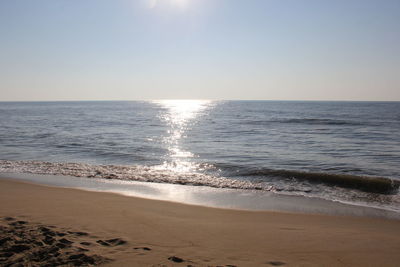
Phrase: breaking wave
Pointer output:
(132, 173)
(370, 184)
(367, 184)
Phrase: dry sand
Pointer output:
(99, 224)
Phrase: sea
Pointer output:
(347, 152)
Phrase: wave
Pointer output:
(309, 121)
(370, 184)
(319, 121)
(133, 173)
(69, 145)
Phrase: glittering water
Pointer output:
(332, 150)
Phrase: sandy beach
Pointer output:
(196, 133)
(92, 227)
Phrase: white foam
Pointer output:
(131, 173)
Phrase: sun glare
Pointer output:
(178, 116)
(180, 3)
(173, 3)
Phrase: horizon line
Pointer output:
(191, 99)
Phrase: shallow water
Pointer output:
(315, 149)
(239, 199)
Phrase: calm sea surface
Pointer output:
(332, 150)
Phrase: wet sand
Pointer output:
(117, 230)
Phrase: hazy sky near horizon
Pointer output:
(208, 49)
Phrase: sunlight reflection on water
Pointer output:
(180, 115)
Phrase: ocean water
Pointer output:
(341, 151)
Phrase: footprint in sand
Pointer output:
(111, 242)
(23, 244)
(175, 259)
(143, 248)
(276, 263)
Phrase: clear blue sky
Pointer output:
(209, 49)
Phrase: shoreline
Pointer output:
(204, 236)
(225, 198)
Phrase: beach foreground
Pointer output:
(140, 232)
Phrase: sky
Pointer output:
(199, 49)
